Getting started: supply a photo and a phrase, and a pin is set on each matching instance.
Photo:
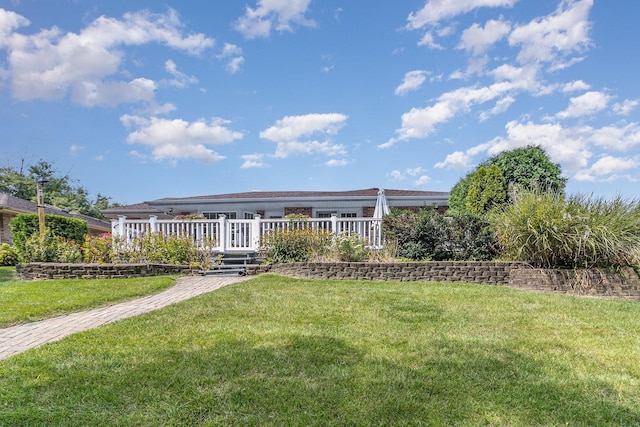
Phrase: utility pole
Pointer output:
(40, 192)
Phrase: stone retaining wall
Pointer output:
(492, 273)
(624, 283)
(48, 270)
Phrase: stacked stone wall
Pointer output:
(48, 270)
(623, 283)
(494, 273)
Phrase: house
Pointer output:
(278, 204)
(11, 206)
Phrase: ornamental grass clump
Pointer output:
(546, 229)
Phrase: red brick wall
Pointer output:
(298, 211)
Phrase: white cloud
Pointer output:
(178, 139)
(501, 106)
(75, 149)
(625, 107)
(99, 93)
(606, 168)
(293, 127)
(273, 14)
(436, 10)
(413, 80)
(428, 41)
(478, 40)
(9, 22)
(396, 175)
(575, 86)
(288, 133)
(585, 104)
(569, 146)
(232, 54)
(620, 138)
(420, 122)
(337, 163)
(455, 160)
(50, 64)
(553, 38)
(253, 161)
(180, 79)
(422, 180)
(415, 171)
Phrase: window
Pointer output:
(348, 215)
(248, 215)
(216, 215)
(325, 214)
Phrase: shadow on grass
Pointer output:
(302, 380)
(7, 274)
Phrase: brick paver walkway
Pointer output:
(16, 339)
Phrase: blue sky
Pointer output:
(139, 100)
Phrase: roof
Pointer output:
(18, 205)
(369, 192)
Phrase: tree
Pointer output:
(522, 168)
(59, 191)
(529, 168)
(486, 190)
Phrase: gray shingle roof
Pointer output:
(18, 205)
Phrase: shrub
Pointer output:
(547, 230)
(351, 247)
(428, 235)
(301, 244)
(470, 238)
(50, 248)
(23, 226)
(168, 249)
(8, 255)
(98, 249)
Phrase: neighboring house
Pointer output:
(277, 204)
(11, 206)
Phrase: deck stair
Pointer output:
(231, 264)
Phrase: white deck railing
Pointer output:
(242, 235)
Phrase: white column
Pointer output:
(222, 220)
(153, 225)
(122, 226)
(255, 233)
(334, 223)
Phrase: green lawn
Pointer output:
(25, 301)
(280, 351)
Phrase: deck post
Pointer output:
(222, 220)
(334, 224)
(122, 226)
(153, 225)
(255, 233)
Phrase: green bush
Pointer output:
(351, 247)
(98, 249)
(23, 226)
(50, 248)
(547, 230)
(470, 238)
(8, 255)
(167, 249)
(428, 235)
(301, 244)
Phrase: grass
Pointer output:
(26, 301)
(280, 351)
